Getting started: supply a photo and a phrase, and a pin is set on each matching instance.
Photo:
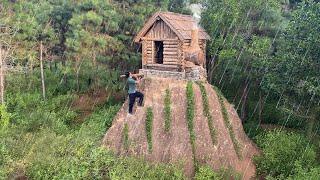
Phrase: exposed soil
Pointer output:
(87, 102)
(174, 146)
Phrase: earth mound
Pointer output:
(188, 127)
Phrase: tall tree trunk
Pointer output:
(244, 107)
(2, 75)
(42, 73)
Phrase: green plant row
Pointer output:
(190, 117)
(126, 136)
(167, 110)
(149, 119)
(227, 122)
(205, 104)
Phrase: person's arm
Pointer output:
(131, 81)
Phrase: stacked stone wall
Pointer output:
(196, 73)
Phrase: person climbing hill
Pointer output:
(132, 92)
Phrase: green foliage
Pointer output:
(131, 168)
(206, 172)
(105, 114)
(178, 6)
(40, 142)
(190, 118)
(252, 129)
(294, 73)
(244, 39)
(149, 121)
(242, 32)
(236, 144)
(190, 113)
(4, 118)
(206, 112)
(167, 110)
(283, 153)
(301, 173)
(31, 24)
(32, 114)
(48, 154)
(52, 153)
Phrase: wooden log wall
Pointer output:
(171, 52)
(144, 53)
(161, 32)
(173, 48)
(181, 55)
(147, 53)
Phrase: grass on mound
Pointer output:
(167, 110)
(126, 136)
(206, 112)
(149, 120)
(227, 122)
(190, 118)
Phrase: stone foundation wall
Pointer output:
(193, 74)
(196, 73)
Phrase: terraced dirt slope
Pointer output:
(224, 146)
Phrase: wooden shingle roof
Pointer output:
(181, 24)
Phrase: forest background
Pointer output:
(264, 55)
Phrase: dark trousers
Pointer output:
(132, 99)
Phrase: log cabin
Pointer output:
(172, 42)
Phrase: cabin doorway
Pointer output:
(158, 52)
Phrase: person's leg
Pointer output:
(140, 96)
(132, 98)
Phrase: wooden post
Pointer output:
(1, 76)
(42, 74)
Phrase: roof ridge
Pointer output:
(177, 14)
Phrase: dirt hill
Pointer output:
(161, 130)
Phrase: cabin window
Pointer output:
(158, 52)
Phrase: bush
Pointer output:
(282, 152)
(4, 158)
(31, 113)
(206, 172)
(4, 118)
(302, 174)
(252, 129)
(132, 168)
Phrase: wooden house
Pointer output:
(172, 42)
